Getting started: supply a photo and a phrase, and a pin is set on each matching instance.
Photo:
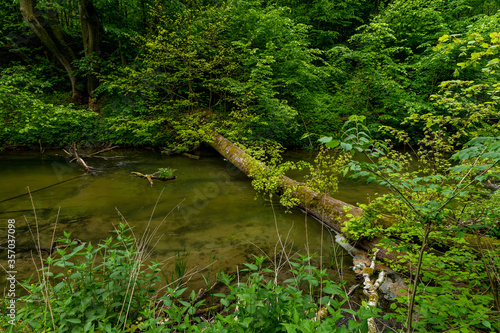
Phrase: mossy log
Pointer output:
(330, 211)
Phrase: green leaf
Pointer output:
(370, 179)
(325, 139)
(252, 267)
(346, 146)
(350, 311)
(89, 326)
(58, 286)
(353, 324)
(333, 143)
(179, 292)
(74, 320)
(331, 290)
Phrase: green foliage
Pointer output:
(421, 215)
(250, 64)
(476, 48)
(260, 303)
(190, 131)
(27, 120)
(451, 295)
(331, 21)
(323, 173)
(24, 79)
(189, 53)
(280, 76)
(391, 67)
(267, 70)
(269, 180)
(372, 79)
(165, 173)
(109, 288)
(135, 131)
(84, 288)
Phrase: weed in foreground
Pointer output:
(107, 288)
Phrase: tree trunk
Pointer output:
(330, 211)
(92, 38)
(58, 47)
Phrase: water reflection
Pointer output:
(210, 210)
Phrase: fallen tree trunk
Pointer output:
(328, 210)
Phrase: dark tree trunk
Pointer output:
(57, 46)
(92, 38)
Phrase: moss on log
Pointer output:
(151, 177)
(328, 210)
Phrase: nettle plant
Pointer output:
(87, 288)
(439, 217)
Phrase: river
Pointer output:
(210, 213)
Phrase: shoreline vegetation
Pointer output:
(111, 288)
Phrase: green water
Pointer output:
(209, 211)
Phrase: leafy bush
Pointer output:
(440, 220)
(86, 288)
(25, 119)
(261, 304)
(165, 172)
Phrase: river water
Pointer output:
(210, 213)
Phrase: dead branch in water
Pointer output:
(80, 160)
